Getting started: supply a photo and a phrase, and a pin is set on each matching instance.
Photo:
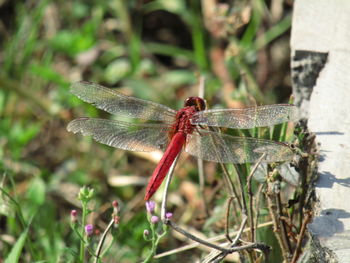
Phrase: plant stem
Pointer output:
(103, 238)
(155, 242)
(82, 242)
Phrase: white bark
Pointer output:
(324, 26)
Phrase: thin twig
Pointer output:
(227, 233)
(201, 185)
(201, 89)
(276, 226)
(283, 223)
(300, 237)
(194, 238)
(250, 195)
(259, 246)
(212, 239)
(218, 256)
(257, 205)
(229, 184)
(240, 231)
(102, 240)
(241, 187)
(166, 188)
(236, 240)
(201, 86)
(243, 199)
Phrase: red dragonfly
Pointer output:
(172, 130)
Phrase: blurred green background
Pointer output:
(155, 50)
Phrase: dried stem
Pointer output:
(251, 197)
(211, 239)
(201, 185)
(241, 188)
(201, 90)
(228, 182)
(259, 246)
(257, 205)
(300, 238)
(102, 240)
(201, 86)
(227, 224)
(240, 231)
(276, 227)
(284, 232)
(231, 189)
(194, 238)
(166, 188)
(236, 239)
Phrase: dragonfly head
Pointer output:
(197, 102)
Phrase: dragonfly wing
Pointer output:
(117, 103)
(247, 118)
(123, 135)
(217, 147)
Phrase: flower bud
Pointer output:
(168, 215)
(115, 207)
(154, 219)
(89, 229)
(115, 204)
(85, 194)
(150, 206)
(116, 221)
(73, 216)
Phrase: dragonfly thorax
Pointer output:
(183, 120)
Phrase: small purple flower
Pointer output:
(89, 229)
(150, 206)
(73, 216)
(168, 215)
(154, 219)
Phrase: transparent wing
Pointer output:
(247, 118)
(217, 147)
(123, 135)
(117, 103)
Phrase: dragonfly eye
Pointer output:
(197, 102)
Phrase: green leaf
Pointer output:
(47, 73)
(36, 191)
(72, 42)
(17, 249)
(117, 70)
(179, 77)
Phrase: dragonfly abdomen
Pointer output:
(174, 148)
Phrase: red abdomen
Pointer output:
(163, 166)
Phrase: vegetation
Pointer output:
(155, 50)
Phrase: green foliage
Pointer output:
(16, 251)
(72, 43)
(16, 135)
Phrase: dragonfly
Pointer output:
(191, 128)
